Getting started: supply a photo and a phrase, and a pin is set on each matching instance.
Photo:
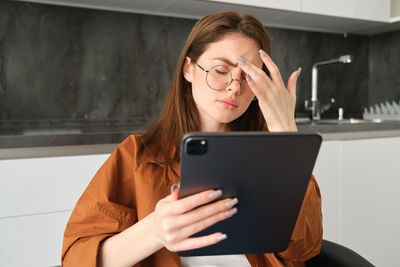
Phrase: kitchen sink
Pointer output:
(346, 121)
(346, 125)
(336, 121)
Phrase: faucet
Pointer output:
(315, 106)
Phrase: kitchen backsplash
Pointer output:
(70, 64)
(384, 68)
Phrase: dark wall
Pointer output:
(70, 63)
(384, 68)
(346, 83)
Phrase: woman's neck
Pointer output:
(214, 127)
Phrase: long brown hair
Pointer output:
(161, 142)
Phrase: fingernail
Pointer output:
(248, 77)
(262, 53)
(299, 71)
(174, 186)
(229, 213)
(215, 194)
(231, 202)
(222, 237)
(241, 61)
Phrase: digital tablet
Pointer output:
(268, 173)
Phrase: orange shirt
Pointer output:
(121, 193)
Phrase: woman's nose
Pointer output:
(234, 85)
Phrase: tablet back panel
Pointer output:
(268, 172)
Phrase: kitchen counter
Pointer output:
(351, 128)
(19, 134)
(101, 137)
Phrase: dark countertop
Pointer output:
(67, 132)
(90, 132)
(351, 127)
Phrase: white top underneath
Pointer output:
(215, 261)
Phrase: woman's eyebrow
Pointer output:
(227, 61)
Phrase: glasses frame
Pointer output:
(227, 84)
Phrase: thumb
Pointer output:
(293, 81)
(174, 193)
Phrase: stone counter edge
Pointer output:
(76, 150)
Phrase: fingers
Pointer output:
(291, 86)
(174, 194)
(272, 68)
(173, 186)
(172, 236)
(204, 212)
(257, 79)
(188, 203)
(178, 220)
(196, 227)
(198, 242)
(251, 69)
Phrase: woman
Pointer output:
(128, 215)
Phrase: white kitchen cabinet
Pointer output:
(395, 9)
(360, 183)
(342, 16)
(38, 185)
(370, 199)
(290, 5)
(33, 240)
(326, 172)
(372, 10)
(37, 196)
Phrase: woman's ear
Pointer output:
(187, 70)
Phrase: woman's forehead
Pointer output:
(227, 49)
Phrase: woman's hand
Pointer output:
(170, 226)
(277, 103)
(175, 220)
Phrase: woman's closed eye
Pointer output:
(222, 69)
(222, 72)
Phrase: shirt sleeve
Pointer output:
(306, 239)
(106, 208)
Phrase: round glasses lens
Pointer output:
(219, 77)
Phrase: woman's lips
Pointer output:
(228, 104)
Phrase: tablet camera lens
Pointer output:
(196, 147)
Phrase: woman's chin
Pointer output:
(226, 119)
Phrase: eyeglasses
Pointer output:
(219, 77)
